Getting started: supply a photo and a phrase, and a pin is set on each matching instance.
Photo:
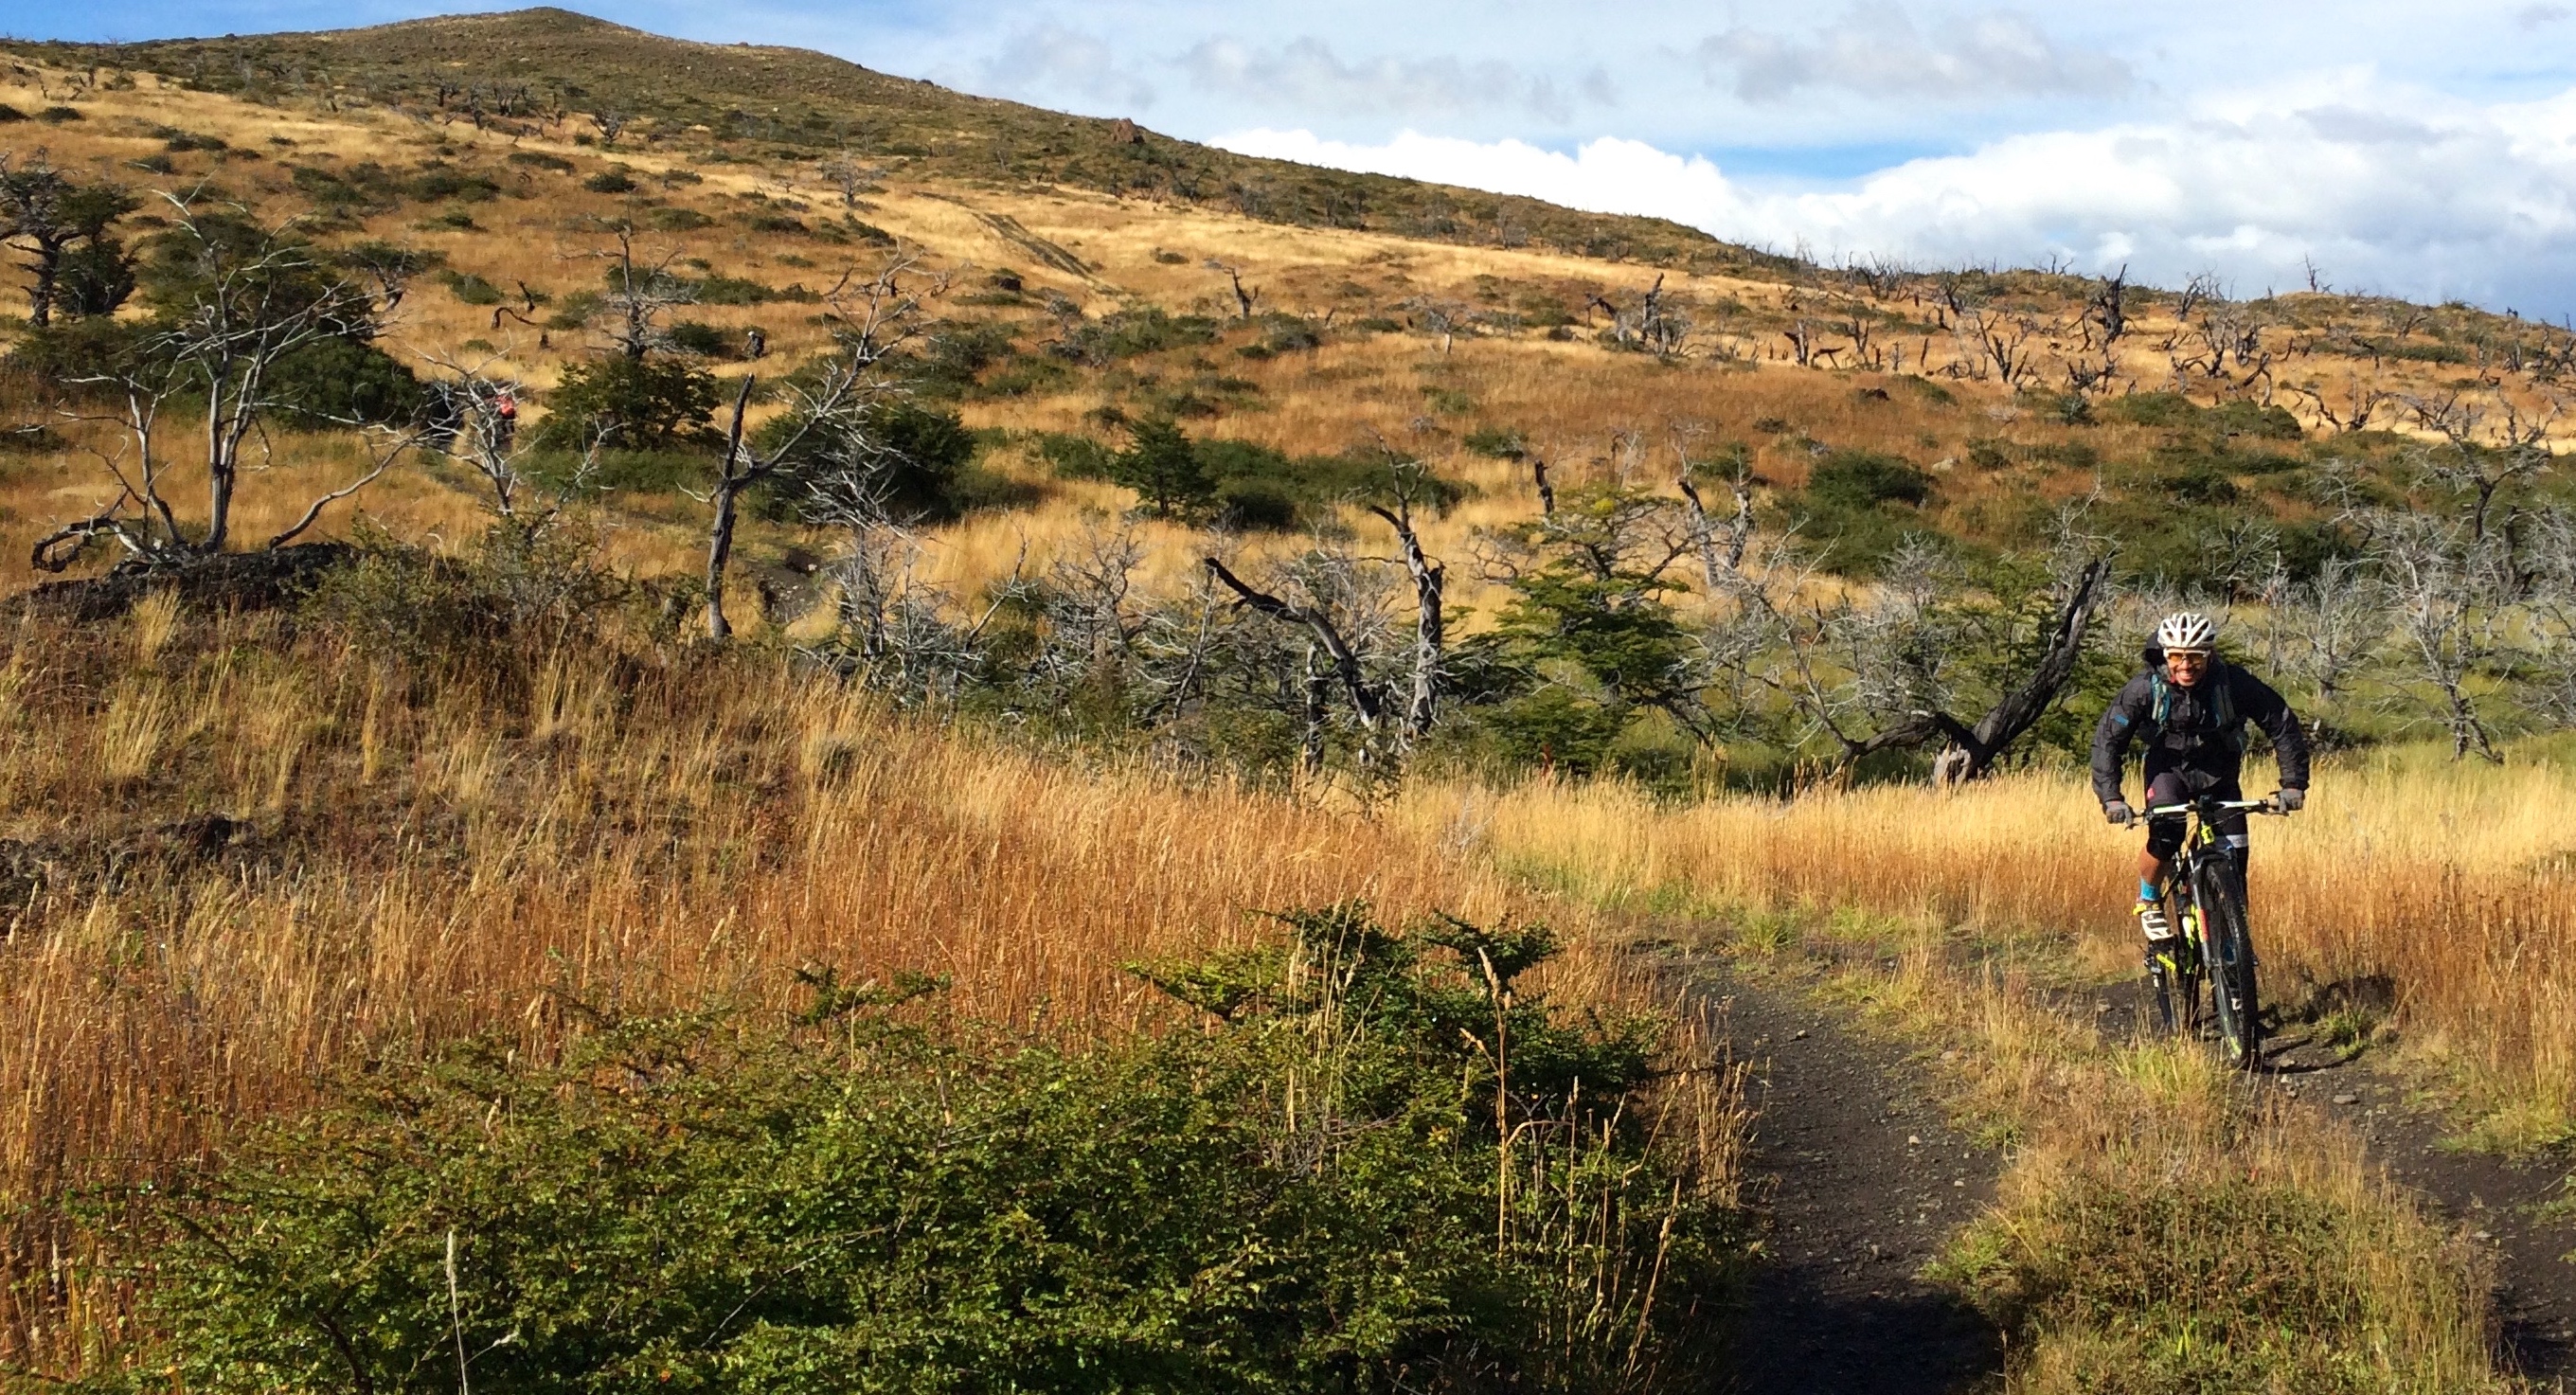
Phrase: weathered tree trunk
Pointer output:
(719, 553)
(1430, 630)
(219, 474)
(722, 500)
(1365, 697)
(2019, 710)
(1319, 693)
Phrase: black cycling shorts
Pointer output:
(2165, 835)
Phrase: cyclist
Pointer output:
(2192, 707)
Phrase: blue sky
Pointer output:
(2421, 149)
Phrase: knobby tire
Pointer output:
(2229, 959)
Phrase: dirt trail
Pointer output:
(2494, 1199)
(1861, 1181)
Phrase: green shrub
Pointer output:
(1499, 442)
(613, 180)
(438, 182)
(513, 596)
(1858, 506)
(700, 338)
(9, 113)
(1131, 332)
(1251, 506)
(649, 404)
(538, 159)
(1862, 479)
(335, 381)
(734, 290)
(58, 115)
(918, 459)
(2153, 409)
(471, 288)
(701, 1203)
(676, 220)
(1075, 457)
(1160, 464)
(178, 141)
(2242, 418)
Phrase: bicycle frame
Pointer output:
(2215, 942)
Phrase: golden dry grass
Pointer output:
(2449, 881)
(427, 856)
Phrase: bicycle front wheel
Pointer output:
(2229, 944)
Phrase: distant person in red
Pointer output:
(505, 421)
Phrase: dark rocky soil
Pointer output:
(1860, 1181)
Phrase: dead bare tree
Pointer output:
(2109, 306)
(1243, 298)
(2361, 402)
(849, 177)
(1801, 335)
(2444, 613)
(1973, 750)
(1368, 698)
(642, 288)
(2336, 620)
(478, 418)
(832, 412)
(254, 296)
(1430, 645)
(2492, 447)
(1720, 560)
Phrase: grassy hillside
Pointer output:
(551, 72)
(487, 787)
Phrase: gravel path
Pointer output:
(1860, 1181)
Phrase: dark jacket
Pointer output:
(2192, 739)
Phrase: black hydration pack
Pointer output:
(2225, 727)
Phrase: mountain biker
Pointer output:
(2192, 707)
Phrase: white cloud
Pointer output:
(1875, 51)
(1305, 74)
(2387, 191)
(1054, 59)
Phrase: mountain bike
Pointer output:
(2213, 943)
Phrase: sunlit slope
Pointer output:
(529, 71)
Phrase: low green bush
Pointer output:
(1314, 1194)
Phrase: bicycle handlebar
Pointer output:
(2251, 806)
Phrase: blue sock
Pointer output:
(2147, 891)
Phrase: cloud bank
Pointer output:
(2393, 192)
(1306, 74)
(1877, 52)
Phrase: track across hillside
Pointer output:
(1860, 1181)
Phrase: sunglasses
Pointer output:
(2186, 656)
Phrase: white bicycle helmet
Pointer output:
(2186, 630)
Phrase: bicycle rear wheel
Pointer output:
(2229, 942)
